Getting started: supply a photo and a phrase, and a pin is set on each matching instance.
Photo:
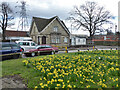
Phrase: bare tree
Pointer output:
(90, 17)
(6, 15)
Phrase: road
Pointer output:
(86, 49)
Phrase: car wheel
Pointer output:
(52, 52)
(22, 50)
(33, 54)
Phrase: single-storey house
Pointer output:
(77, 39)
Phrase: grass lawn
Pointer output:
(89, 69)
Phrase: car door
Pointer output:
(6, 51)
(24, 45)
(33, 45)
(15, 48)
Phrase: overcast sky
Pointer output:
(61, 8)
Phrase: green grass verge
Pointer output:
(0, 69)
(32, 76)
(16, 67)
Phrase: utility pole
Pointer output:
(23, 22)
(115, 29)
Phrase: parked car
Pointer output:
(47, 46)
(10, 50)
(26, 45)
(40, 50)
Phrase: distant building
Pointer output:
(17, 35)
(78, 39)
(106, 39)
(112, 38)
(51, 31)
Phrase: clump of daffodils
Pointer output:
(76, 71)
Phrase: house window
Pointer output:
(65, 39)
(73, 40)
(58, 40)
(55, 39)
(84, 40)
(78, 40)
(55, 28)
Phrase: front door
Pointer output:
(38, 40)
(43, 39)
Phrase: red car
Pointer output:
(41, 50)
(47, 46)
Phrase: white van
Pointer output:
(26, 45)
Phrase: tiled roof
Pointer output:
(41, 23)
(10, 33)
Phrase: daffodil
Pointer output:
(60, 80)
(58, 85)
(68, 81)
(36, 87)
(41, 84)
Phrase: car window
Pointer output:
(24, 43)
(20, 43)
(47, 46)
(6, 47)
(15, 46)
(32, 44)
(44, 46)
(41, 47)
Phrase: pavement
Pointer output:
(12, 82)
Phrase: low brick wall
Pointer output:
(106, 43)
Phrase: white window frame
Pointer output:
(55, 39)
(55, 28)
(79, 40)
(65, 39)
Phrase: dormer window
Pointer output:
(55, 28)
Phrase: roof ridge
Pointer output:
(41, 18)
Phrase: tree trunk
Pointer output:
(3, 34)
(91, 37)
